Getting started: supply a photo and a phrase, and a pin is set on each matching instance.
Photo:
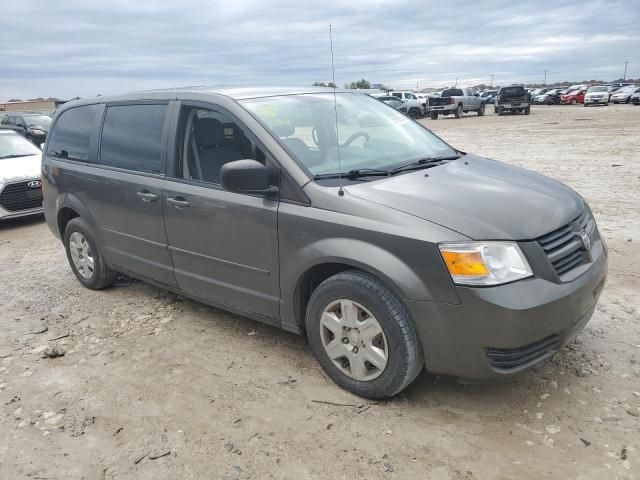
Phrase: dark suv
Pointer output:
(328, 214)
(32, 126)
(512, 99)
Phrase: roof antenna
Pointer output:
(335, 109)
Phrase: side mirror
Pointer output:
(246, 176)
(42, 146)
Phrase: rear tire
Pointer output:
(85, 258)
(434, 115)
(459, 111)
(345, 304)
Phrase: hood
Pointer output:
(21, 168)
(479, 198)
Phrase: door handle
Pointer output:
(179, 202)
(147, 196)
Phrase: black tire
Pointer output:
(527, 110)
(586, 105)
(103, 276)
(414, 112)
(481, 110)
(434, 115)
(459, 111)
(405, 360)
(501, 111)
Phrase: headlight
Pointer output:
(485, 263)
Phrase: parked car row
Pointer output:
(584, 94)
(31, 125)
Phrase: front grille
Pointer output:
(564, 247)
(507, 358)
(19, 196)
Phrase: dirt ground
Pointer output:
(154, 386)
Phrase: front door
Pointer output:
(224, 245)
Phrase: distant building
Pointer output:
(39, 105)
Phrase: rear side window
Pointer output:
(398, 95)
(132, 137)
(452, 92)
(71, 134)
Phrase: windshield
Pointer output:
(597, 89)
(371, 134)
(626, 89)
(13, 145)
(41, 120)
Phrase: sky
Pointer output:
(68, 48)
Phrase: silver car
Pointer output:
(597, 95)
(624, 94)
(20, 188)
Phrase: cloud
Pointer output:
(75, 47)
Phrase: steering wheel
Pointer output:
(349, 140)
(314, 136)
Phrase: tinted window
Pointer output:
(452, 92)
(132, 137)
(72, 133)
(399, 95)
(410, 96)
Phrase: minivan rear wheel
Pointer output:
(362, 336)
(85, 257)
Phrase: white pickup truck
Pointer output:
(455, 101)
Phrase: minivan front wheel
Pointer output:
(85, 257)
(362, 336)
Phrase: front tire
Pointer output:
(500, 111)
(434, 115)
(481, 110)
(414, 113)
(85, 258)
(362, 336)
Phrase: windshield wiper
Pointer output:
(15, 156)
(423, 163)
(360, 172)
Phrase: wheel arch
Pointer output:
(68, 207)
(367, 258)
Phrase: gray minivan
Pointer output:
(328, 214)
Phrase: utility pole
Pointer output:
(545, 77)
(491, 81)
(624, 78)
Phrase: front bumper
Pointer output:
(595, 101)
(5, 214)
(528, 321)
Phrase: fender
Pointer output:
(69, 200)
(388, 267)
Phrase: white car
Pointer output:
(414, 104)
(624, 94)
(596, 95)
(20, 186)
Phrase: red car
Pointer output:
(577, 96)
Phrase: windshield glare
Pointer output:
(41, 120)
(370, 133)
(598, 89)
(15, 145)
